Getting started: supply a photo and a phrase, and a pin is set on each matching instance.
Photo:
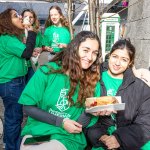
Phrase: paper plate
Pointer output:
(117, 107)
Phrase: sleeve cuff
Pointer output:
(59, 121)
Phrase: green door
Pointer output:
(110, 33)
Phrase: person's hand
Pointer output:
(143, 74)
(36, 51)
(24, 40)
(72, 126)
(49, 49)
(110, 141)
(29, 28)
(61, 45)
(35, 54)
(104, 113)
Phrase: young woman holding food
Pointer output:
(132, 125)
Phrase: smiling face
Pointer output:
(88, 51)
(118, 62)
(55, 17)
(16, 19)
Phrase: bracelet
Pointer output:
(64, 122)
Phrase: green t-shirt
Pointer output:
(49, 92)
(12, 65)
(56, 35)
(39, 39)
(146, 146)
(111, 84)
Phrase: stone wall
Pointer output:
(138, 30)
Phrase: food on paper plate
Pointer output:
(98, 101)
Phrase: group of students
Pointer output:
(16, 53)
(55, 38)
(54, 98)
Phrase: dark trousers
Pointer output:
(94, 133)
(10, 93)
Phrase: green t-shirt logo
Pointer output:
(111, 92)
(55, 40)
(62, 103)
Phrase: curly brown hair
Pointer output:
(70, 62)
(63, 20)
(6, 25)
(36, 23)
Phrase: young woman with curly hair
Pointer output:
(13, 68)
(54, 97)
(57, 35)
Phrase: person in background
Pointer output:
(60, 92)
(132, 125)
(38, 46)
(143, 74)
(56, 35)
(13, 68)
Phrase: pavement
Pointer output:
(42, 59)
(1, 115)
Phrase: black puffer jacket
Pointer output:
(133, 124)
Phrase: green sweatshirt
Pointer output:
(12, 65)
(49, 92)
(56, 35)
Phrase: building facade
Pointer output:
(138, 30)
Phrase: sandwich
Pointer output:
(98, 101)
(26, 21)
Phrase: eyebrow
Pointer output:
(122, 57)
(15, 13)
(126, 58)
(88, 48)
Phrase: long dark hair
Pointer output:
(70, 62)
(125, 44)
(6, 25)
(63, 20)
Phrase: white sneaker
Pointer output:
(4, 145)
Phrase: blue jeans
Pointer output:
(13, 115)
(29, 74)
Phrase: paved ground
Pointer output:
(42, 59)
(1, 115)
